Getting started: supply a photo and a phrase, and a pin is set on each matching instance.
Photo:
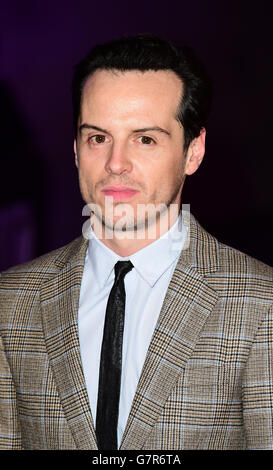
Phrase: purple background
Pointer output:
(40, 202)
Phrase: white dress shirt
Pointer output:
(145, 286)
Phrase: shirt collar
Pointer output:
(150, 262)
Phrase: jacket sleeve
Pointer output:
(10, 435)
(257, 388)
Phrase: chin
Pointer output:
(120, 224)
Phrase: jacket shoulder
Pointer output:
(242, 278)
(211, 255)
(20, 285)
(44, 265)
(232, 273)
(233, 260)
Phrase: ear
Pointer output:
(195, 153)
(75, 152)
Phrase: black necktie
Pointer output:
(111, 362)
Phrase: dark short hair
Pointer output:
(148, 52)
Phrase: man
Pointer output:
(190, 364)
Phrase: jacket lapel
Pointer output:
(186, 307)
(59, 303)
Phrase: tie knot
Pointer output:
(121, 269)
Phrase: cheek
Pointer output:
(171, 172)
(86, 179)
(89, 169)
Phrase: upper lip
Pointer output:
(118, 188)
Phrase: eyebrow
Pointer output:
(144, 129)
(155, 128)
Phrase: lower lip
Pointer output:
(120, 195)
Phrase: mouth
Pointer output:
(119, 193)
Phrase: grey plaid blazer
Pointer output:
(207, 381)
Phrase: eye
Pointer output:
(98, 139)
(146, 140)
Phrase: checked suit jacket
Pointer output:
(207, 380)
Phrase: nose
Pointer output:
(118, 160)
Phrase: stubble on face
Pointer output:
(160, 205)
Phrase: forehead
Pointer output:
(150, 90)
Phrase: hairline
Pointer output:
(117, 71)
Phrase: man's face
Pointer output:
(130, 144)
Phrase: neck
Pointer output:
(126, 243)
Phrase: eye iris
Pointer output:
(99, 139)
(146, 140)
